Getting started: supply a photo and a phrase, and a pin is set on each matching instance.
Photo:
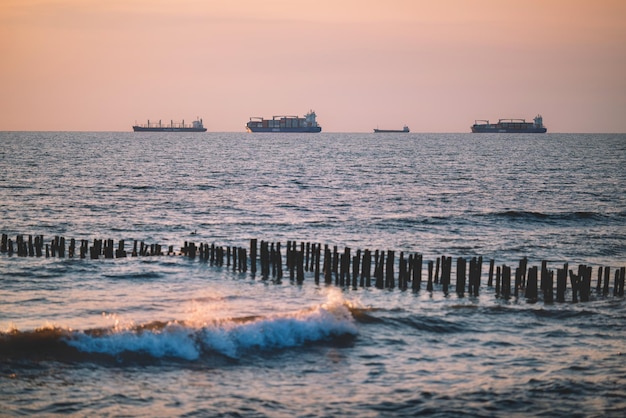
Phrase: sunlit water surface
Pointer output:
(172, 336)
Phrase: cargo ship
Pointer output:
(195, 126)
(518, 126)
(284, 124)
(405, 129)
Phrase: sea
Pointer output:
(170, 335)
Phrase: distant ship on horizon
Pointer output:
(308, 123)
(195, 126)
(510, 126)
(404, 129)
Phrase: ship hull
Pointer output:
(500, 130)
(387, 131)
(311, 129)
(157, 129)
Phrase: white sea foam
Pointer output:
(281, 330)
(227, 337)
(171, 341)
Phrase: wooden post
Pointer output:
(336, 265)
(378, 269)
(279, 263)
(548, 294)
(307, 256)
(94, 251)
(356, 261)
(72, 248)
(299, 255)
(561, 284)
(313, 255)
(22, 247)
(607, 276)
(108, 248)
(506, 281)
(291, 260)
(84, 248)
(253, 249)
(518, 281)
(38, 245)
(221, 254)
(429, 283)
(498, 273)
(264, 260)
(318, 253)
(584, 272)
(120, 253)
(575, 283)
(460, 277)
(401, 271)
(446, 271)
(546, 282)
(288, 255)
(328, 265)
(490, 280)
(523, 266)
(342, 270)
(417, 273)
(389, 280)
(346, 259)
(367, 268)
(269, 265)
(531, 287)
(474, 276)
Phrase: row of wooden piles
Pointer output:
(35, 246)
(367, 268)
(352, 268)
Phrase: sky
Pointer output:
(436, 66)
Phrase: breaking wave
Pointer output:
(184, 340)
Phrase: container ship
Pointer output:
(405, 129)
(195, 126)
(510, 126)
(284, 124)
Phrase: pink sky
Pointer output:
(436, 66)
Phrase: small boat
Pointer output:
(285, 124)
(518, 126)
(405, 129)
(195, 126)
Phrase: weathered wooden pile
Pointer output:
(350, 269)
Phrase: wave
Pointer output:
(184, 340)
(402, 320)
(555, 216)
(523, 216)
(136, 186)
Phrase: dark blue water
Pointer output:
(175, 336)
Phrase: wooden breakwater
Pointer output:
(351, 269)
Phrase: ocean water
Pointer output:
(173, 335)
